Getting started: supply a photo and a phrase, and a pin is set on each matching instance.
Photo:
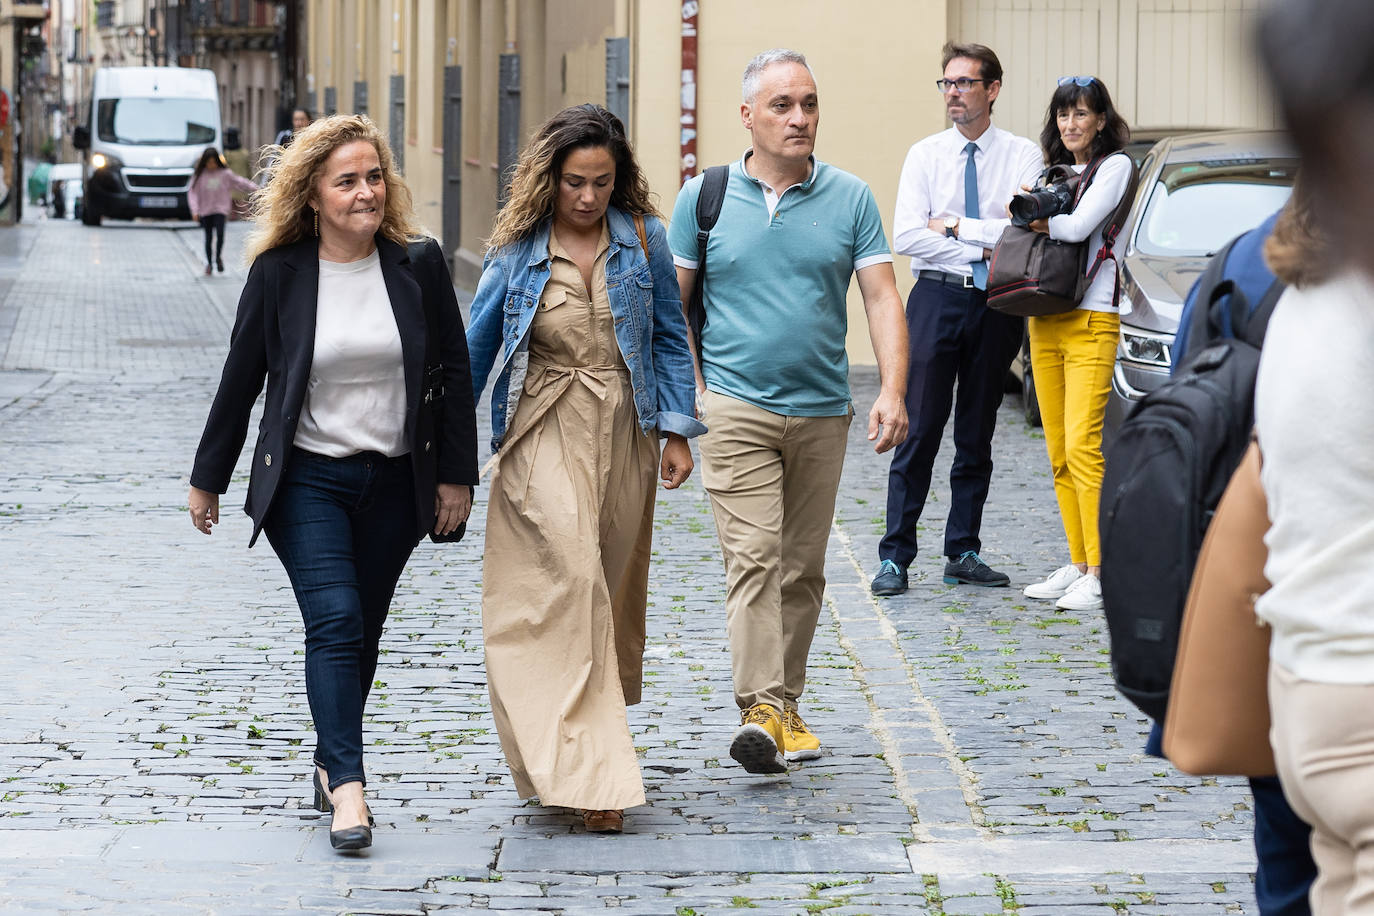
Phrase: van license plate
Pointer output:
(160, 203)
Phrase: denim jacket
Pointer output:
(645, 303)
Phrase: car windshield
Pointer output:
(1197, 207)
(156, 122)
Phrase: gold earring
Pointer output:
(317, 223)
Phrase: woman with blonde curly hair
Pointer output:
(578, 311)
(368, 437)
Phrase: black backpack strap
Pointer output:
(1253, 326)
(709, 203)
(1205, 323)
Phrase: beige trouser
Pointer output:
(1323, 738)
(772, 481)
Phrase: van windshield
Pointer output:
(156, 122)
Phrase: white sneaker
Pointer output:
(1055, 584)
(1085, 594)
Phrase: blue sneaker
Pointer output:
(890, 580)
(970, 569)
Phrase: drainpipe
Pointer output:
(688, 144)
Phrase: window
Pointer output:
(156, 122)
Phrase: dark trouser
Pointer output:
(954, 338)
(1285, 871)
(343, 528)
(213, 224)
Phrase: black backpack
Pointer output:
(709, 203)
(1166, 470)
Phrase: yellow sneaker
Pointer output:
(798, 741)
(758, 742)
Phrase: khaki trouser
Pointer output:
(772, 481)
(1323, 738)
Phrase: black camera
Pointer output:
(1041, 203)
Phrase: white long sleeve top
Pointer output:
(932, 187)
(356, 399)
(1087, 221)
(1316, 428)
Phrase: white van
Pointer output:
(147, 127)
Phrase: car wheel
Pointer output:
(1030, 405)
(90, 216)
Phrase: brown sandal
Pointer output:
(607, 821)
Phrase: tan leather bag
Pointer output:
(1218, 718)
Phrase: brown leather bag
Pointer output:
(1218, 718)
(1032, 274)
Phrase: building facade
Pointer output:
(459, 84)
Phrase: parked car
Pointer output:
(1197, 192)
(1143, 139)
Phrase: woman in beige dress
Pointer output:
(578, 313)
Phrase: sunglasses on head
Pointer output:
(1077, 80)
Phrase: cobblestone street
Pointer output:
(155, 739)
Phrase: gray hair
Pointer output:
(749, 86)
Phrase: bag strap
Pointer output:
(1252, 327)
(433, 381)
(639, 230)
(1115, 220)
(709, 202)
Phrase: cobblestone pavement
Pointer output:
(155, 737)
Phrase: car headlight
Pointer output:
(101, 161)
(1147, 347)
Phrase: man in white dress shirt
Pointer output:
(951, 210)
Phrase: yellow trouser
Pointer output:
(1071, 358)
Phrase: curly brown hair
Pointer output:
(534, 185)
(282, 211)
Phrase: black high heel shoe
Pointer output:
(322, 802)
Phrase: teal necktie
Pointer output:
(980, 268)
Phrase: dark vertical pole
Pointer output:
(618, 78)
(360, 97)
(331, 101)
(688, 142)
(397, 123)
(453, 160)
(508, 122)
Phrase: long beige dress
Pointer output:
(566, 565)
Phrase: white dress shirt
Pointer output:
(356, 400)
(932, 187)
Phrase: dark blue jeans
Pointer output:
(955, 341)
(343, 528)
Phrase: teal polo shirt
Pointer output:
(775, 286)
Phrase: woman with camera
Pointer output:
(1072, 352)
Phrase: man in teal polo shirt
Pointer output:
(773, 381)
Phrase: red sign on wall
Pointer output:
(4, 108)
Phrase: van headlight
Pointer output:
(101, 161)
(1149, 348)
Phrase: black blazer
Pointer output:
(274, 340)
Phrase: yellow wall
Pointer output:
(870, 70)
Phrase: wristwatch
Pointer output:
(951, 227)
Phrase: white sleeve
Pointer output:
(911, 232)
(1098, 201)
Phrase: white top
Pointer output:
(1087, 221)
(1316, 424)
(932, 187)
(356, 401)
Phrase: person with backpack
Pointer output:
(951, 210)
(1315, 423)
(1284, 869)
(774, 385)
(1073, 352)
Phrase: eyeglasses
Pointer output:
(1077, 80)
(961, 85)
